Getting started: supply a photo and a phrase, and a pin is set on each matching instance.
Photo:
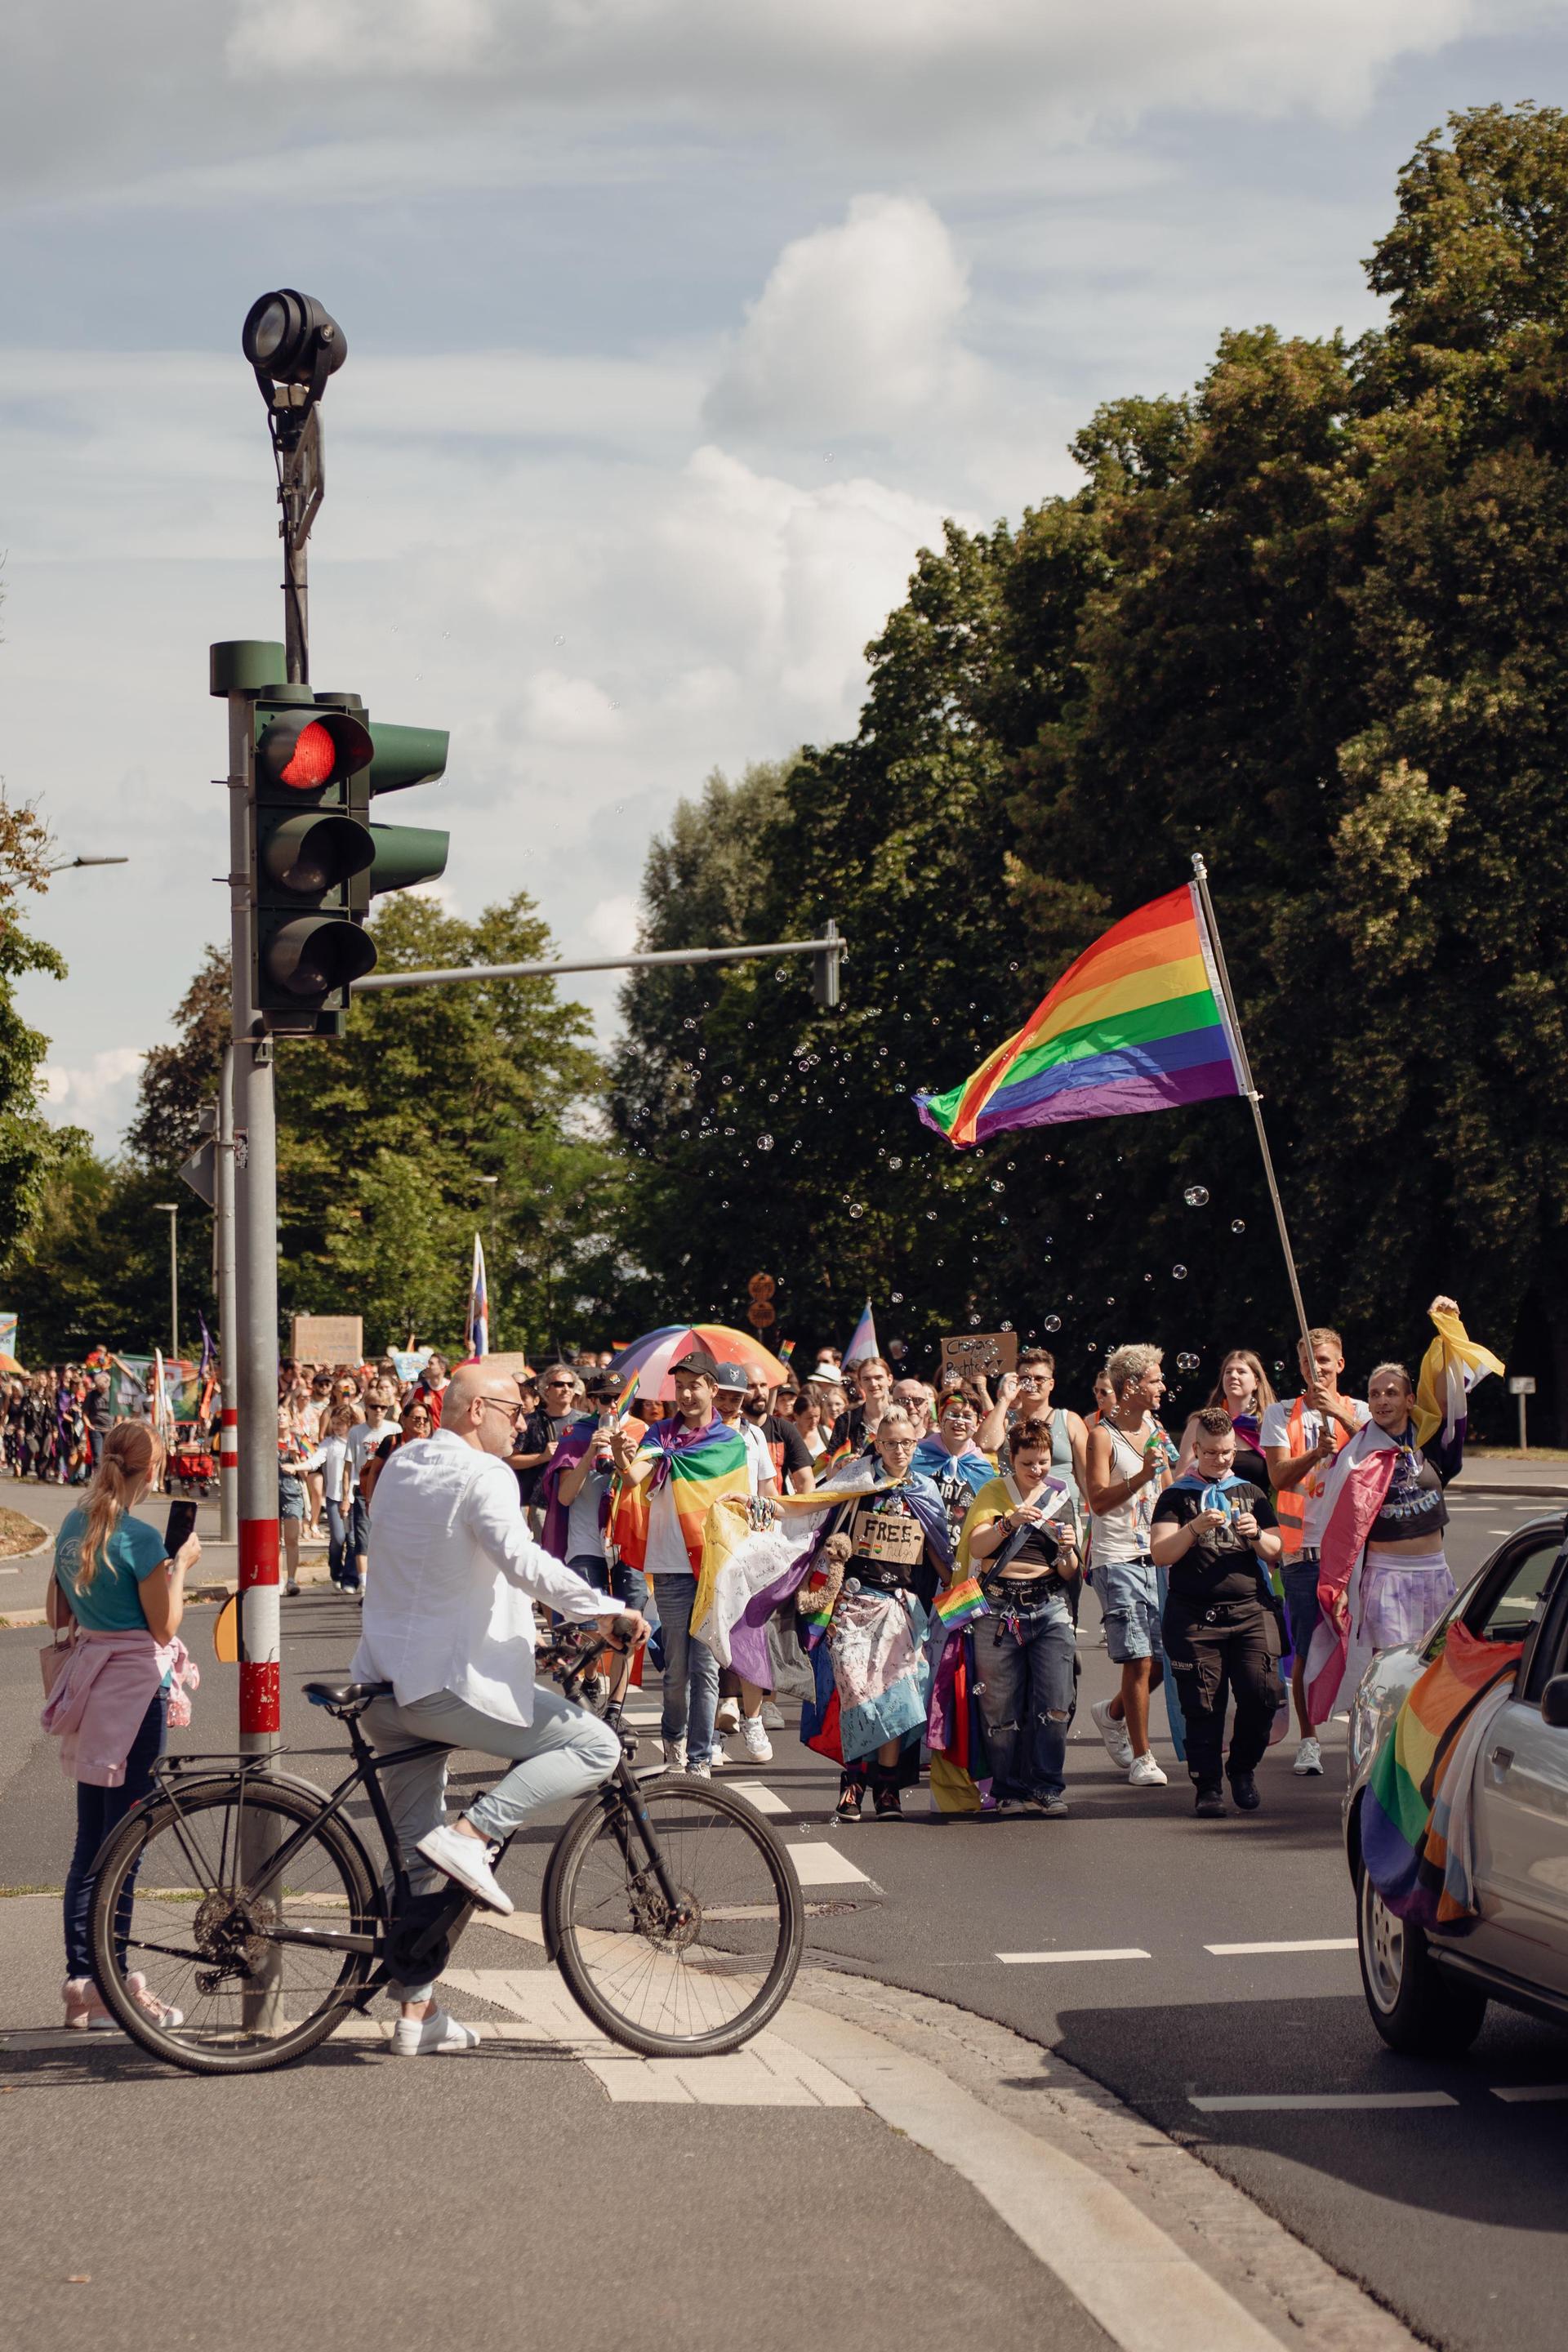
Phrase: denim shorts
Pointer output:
(1128, 1601)
(1301, 1606)
(291, 1499)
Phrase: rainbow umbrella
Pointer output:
(651, 1356)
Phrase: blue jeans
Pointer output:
(623, 1584)
(359, 1533)
(1025, 1683)
(338, 1562)
(98, 1810)
(690, 1671)
(563, 1752)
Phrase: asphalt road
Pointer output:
(1453, 2214)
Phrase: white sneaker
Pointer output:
(699, 1771)
(1113, 1731)
(1146, 1774)
(432, 2036)
(755, 1740)
(1309, 1758)
(729, 1716)
(162, 2012)
(773, 1715)
(468, 1860)
(292, 1586)
(675, 1755)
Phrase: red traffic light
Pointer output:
(315, 756)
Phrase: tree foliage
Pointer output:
(1308, 622)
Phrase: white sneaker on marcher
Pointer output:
(1113, 1731)
(292, 1586)
(675, 1755)
(773, 1715)
(1146, 1774)
(432, 2036)
(699, 1771)
(755, 1740)
(1309, 1758)
(729, 1716)
(468, 1860)
(162, 2012)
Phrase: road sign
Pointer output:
(759, 1315)
(1521, 1384)
(760, 1286)
(200, 1170)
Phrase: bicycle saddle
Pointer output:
(345, 1699)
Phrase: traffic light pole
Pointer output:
(227, 1314)
(255, 1352)
(826, 952)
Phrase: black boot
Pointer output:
(1244, 1791)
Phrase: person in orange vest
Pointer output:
(1299, 1437)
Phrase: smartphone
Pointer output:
(182, 1524)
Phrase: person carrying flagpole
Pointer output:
(476, 1332)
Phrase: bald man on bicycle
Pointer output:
(449, 1621)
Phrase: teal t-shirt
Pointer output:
(111, 1604)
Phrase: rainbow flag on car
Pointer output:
(1414, 1820)
(1137, 1024)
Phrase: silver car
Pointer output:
(1428, 1991)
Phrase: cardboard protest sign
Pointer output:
(988, 1354)
(328, 1339)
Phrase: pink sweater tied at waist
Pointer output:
(96, 1707)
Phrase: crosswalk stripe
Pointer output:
(1528, 2093)
(757, 1794)
(824, 1866)
(1333, 2102)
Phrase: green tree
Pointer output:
(29, 1147)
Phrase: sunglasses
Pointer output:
(513, 1412)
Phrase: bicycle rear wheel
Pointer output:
(189, 1898)
(701, 1980)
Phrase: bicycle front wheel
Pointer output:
(695, 1978)
(204, 1908)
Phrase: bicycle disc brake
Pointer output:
(675, 1928)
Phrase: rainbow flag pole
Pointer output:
(1143, 1019)
(1254, 1099)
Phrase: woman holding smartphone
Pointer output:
(116, 1587)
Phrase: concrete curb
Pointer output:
(1516, 1494)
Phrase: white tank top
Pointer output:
(1122, 1532)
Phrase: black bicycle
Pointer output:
(247, 1900)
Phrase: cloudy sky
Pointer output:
(676, 327)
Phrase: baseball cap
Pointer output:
(731, 1376)
(697, 1361)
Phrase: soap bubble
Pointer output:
(1238, 1224)
(1178, 1273)
(898, 1297)
(765, 1143)
(997, 1185)
(1188, 1363)
(780, 972)
(856, 1208)
(974, 1322)
(1197, 1196)
(894, 1161)
(1053, 1323)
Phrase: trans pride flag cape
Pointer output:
(1137, 1024)
(1358, 1487)
(1416, 1816)
(700, 1465)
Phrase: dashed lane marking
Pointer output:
(1038, 1959)
(1527, 2094)
(1332, 2102)
(1305, 1944)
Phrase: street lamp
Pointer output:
(67, 863)
(172, 1208)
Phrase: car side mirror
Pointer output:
(1554, 1703)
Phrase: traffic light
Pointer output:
(824, 970)
(316, 859)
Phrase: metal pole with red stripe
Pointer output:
(227, 1317)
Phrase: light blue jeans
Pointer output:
(563, 1752)
(690, 1671)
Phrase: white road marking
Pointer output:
(1521, 2093)
(768, 2073)
(1308, 1944)
(1146, 2293)
(1333, 2102)
(824, 1866)
(755, 1792)
(1035, 1959)
(641, 1714)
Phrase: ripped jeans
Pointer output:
(1025, 1686)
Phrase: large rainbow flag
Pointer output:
(1137, 1024)
(1415, 1818)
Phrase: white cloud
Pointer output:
(613, 924)
(856, 331)
(98, 1094)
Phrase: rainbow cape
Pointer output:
(1137, 1024)
(1415, 1818)
(699, 1465)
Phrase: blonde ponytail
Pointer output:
(132, 1453)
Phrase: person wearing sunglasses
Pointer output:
(449, 1621)
(544, 1430)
